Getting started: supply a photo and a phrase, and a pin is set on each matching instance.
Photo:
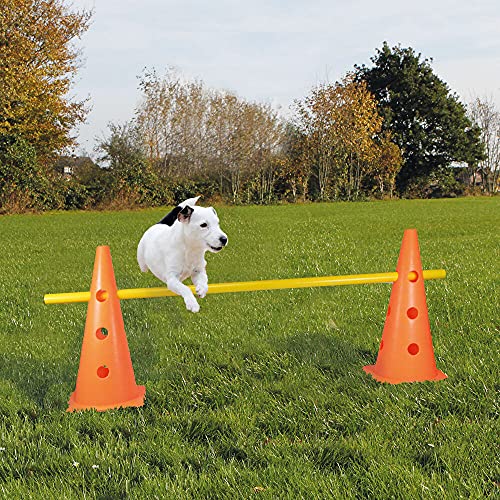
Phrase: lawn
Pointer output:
(260, 394)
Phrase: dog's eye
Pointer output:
(204, 224)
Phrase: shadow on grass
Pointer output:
(327, 353)
(47, 383)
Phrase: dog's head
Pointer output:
(201, 223)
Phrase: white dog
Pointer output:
(174, 249)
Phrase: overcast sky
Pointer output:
(275, 51)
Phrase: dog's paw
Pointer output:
(192, 305)
(201, 291)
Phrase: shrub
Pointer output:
(24, 183)
(439, 184)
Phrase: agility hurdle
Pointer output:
(106, 378)
(250, 286)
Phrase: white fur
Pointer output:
(174, 253)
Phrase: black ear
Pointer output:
(185, 214)
(171, 217)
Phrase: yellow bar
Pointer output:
(250, 286)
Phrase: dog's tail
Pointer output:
(140, 257)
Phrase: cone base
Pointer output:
(372, 370)
(136, 401)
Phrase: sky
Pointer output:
(274, 51)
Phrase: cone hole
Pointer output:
(413, 349)
(389, 311)
(412, 313)
(413, 276)
(101, 295)
(101, 333)
(103, 371)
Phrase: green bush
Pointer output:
(439, 184)
(24, 183)
(183, 189)
(76, 196)
(136, 184)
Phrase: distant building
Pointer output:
(67, 165)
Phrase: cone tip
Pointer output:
(410, 231)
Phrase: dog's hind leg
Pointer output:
(176, 286)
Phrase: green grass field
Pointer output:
(260, 394)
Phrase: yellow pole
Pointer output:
(250, 286)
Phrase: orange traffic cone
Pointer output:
(105, 377)
(406, 353)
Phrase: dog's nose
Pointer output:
(223, 240)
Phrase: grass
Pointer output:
(260, 393)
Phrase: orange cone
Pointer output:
(105, 377)
(406, 353)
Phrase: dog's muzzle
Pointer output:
(223, 243)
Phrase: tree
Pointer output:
(133, 180)
(316, 125)
(191, 132)
(267, 138)
(38, 62)
(223, 124)
(154, 116)
(426, 120)
(482, 112)
(386, 165)
(295, 170)
(23, 185)
(361, 123)
(340, 123)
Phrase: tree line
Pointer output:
(392, 128)
(184, 134)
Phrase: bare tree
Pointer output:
(194, 132)
(224, 137)
(267, 138)
(482, 112)
(155, 114)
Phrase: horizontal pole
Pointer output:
(250, 286)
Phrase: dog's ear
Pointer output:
(213, 210)
(171, 217)
(191, 202)
(185, 214)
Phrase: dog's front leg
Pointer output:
(176, 286)
(200, 281)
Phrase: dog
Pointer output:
(174, 249)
